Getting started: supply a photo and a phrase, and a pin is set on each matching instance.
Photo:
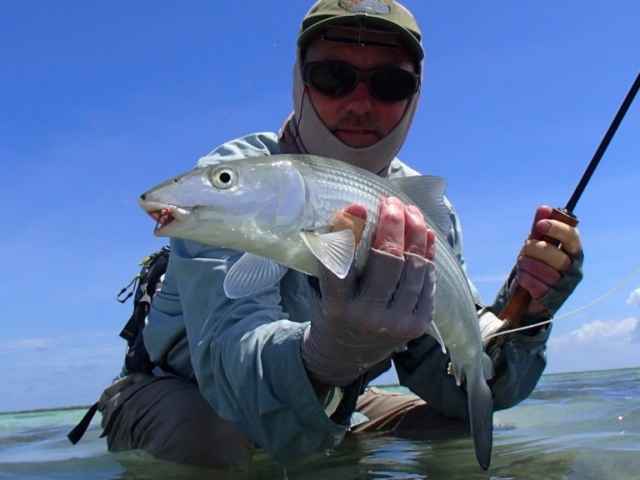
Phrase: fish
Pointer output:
(279, 209)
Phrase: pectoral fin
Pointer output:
(250, 274)
(335, 250)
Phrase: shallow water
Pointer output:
(574, 426)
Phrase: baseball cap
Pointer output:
(381, 14)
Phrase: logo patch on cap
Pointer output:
(366, 6)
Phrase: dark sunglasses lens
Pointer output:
(332, 78)
(393, 84)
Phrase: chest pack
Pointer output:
(142, 288)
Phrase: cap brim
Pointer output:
(409, 39)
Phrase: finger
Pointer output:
(357, 210)
(411, 281)
(567, 235)
(380, 277)
(333, 289)
(431, 245)
(542, 212)
(414, 300)
(547, 253)
(389, 235)
(425, 308)
(353, 218)
(536, 288)
(415, 234)
(539, 270)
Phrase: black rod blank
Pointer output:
(603, 145)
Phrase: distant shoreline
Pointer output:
(86, 407)
(46, 409)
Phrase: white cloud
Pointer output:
(634, 298)
(597, 333)
(597, 345)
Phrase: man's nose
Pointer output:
(360, 99)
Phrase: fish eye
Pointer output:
(224, 177)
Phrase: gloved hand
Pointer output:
(549, 273)
(360, 320)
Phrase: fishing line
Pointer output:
(578, 310)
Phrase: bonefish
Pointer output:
(279, 210)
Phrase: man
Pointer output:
(285, 369)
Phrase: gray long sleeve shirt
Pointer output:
(245, 356)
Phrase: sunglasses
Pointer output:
(335, 79)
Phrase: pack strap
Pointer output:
(79, 430)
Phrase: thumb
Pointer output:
(333, 288)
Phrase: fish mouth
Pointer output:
(164, 214)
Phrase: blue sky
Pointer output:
(101, 100)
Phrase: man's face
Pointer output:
(357, 118)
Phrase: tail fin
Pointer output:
(481, 417)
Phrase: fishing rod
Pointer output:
(519, 300)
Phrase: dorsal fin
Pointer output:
(427, 192)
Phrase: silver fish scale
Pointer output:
(455, 315)
(334, 185)
(330, 187)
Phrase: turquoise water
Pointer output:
(574, 426)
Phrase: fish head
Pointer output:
(229, 202)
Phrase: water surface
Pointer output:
(574, 426)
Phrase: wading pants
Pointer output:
(169, 418)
